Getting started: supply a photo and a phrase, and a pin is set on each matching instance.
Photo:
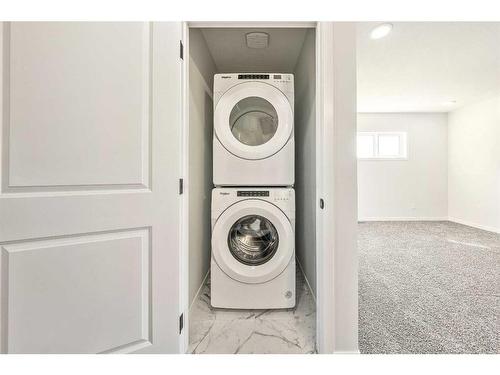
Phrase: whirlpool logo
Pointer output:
(224, 193)
(225, 77)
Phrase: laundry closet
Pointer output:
(285, 57)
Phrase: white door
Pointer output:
(253, 120)
(89, 200)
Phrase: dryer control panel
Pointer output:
(283, 78)
(225, 81)
(252, 193)
(253, 76)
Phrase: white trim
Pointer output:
(197, 295)
(384, 159)
(187, 314)
(428, 218)
(307, 281)
(474, 225)
(250, 24)
(404, 218)
(324, 178)
(184, 239)
(336, 260)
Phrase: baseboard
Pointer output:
(446, 218)
(307, 281)
(405, 218)
(199, 290)
(474, 225)
(347, 352)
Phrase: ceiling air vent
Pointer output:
(257, 40)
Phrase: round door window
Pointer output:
(253, 240)
(253, 121)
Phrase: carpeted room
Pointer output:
(428, 202)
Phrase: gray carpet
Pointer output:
(428, 287)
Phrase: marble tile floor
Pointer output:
(225, 331)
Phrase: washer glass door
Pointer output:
(253, 240)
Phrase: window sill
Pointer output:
(383, 159)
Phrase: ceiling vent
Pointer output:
(257, 40)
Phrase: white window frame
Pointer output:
(403, 146)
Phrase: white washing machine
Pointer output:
(253, 248)
(253, 140)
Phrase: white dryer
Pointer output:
(253, 248)
(253, 139)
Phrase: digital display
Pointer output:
(253, 193)
(253, 76)
(277, 76)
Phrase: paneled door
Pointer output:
(89, 195)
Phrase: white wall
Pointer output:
(474, 165)
(199, 182)
(344, 225)
(305, 158)
(413, 189)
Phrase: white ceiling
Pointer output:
(231, 54)
(420, 66)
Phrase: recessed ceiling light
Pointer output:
(450, 102)
(381, 30)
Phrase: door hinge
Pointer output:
(181, 186)
(181, 50)
(181, 323)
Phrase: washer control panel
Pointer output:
(282, 195)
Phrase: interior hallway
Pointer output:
(222, 331)
(428, 287)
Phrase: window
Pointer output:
(366, 146)
(382, 145)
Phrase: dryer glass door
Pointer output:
(253, 121)
(253, 240)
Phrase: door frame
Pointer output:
(326, 245)
(336, 171)
(184, 224)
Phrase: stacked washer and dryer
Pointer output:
(253, 202)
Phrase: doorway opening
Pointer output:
(214, 49)
(428, 167)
